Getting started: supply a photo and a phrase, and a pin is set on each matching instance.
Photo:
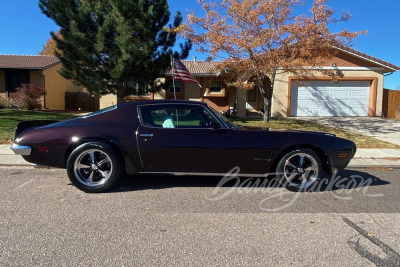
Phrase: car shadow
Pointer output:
(344, 179)
(347, 180)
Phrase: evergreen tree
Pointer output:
(108, 42)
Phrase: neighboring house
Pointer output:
(214, 91)
(42, 71)
(357, 92)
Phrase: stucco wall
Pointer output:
(108, 100)
(159, 94)
(36, 78)
(232, 96)
(281, 89)
(192, 91)
(56, 86)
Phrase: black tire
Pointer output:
(299, 170)
(94, 167)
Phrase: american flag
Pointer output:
(181, 73)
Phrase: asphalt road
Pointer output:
(191, 221)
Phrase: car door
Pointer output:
(185, 138)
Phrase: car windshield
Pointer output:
(224, 119)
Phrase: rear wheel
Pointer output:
(94, 167)
(299, 169)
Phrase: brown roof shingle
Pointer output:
(198, 68)
(27, 62)
(354, 59)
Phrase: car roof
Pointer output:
(162, 101)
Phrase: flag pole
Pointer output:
(173, 76)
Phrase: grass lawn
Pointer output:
(9, 118)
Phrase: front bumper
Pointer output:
(21, 150)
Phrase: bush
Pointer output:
(31, 95)
(5, 103)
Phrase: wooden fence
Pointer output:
(391, 104)
(75, 101)
(15, 97)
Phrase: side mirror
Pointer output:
(215, 126)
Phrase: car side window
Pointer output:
(176, 116)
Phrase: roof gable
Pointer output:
(27, 62)
(364, 60)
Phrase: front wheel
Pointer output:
(299, 169)
(94, 167)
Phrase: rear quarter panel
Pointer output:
(52, 144)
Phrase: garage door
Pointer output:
(325, 98)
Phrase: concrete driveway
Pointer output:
(382, 129)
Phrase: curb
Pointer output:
(373, 162)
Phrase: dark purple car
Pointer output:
(180, 138)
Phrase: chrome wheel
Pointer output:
(299, 169)
(93, 167)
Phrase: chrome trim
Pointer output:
(37, 166)
(137, 145)
(146, 135)
(251, 175)
(21, 150)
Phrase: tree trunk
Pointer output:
(267, 104)
(268, 98)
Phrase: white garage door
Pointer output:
(325, 98)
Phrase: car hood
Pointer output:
(264, 129)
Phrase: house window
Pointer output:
(216, 87)
(15, 78)
(137, 89)
(178, 87)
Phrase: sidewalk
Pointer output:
(364, 158)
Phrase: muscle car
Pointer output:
(179, 138)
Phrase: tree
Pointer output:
(106, 43)
(49, 49)
(256, 39)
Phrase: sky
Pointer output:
(24, 29)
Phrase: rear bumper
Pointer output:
(21, 150)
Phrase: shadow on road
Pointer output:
(345, 179)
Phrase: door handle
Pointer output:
(146, 135)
